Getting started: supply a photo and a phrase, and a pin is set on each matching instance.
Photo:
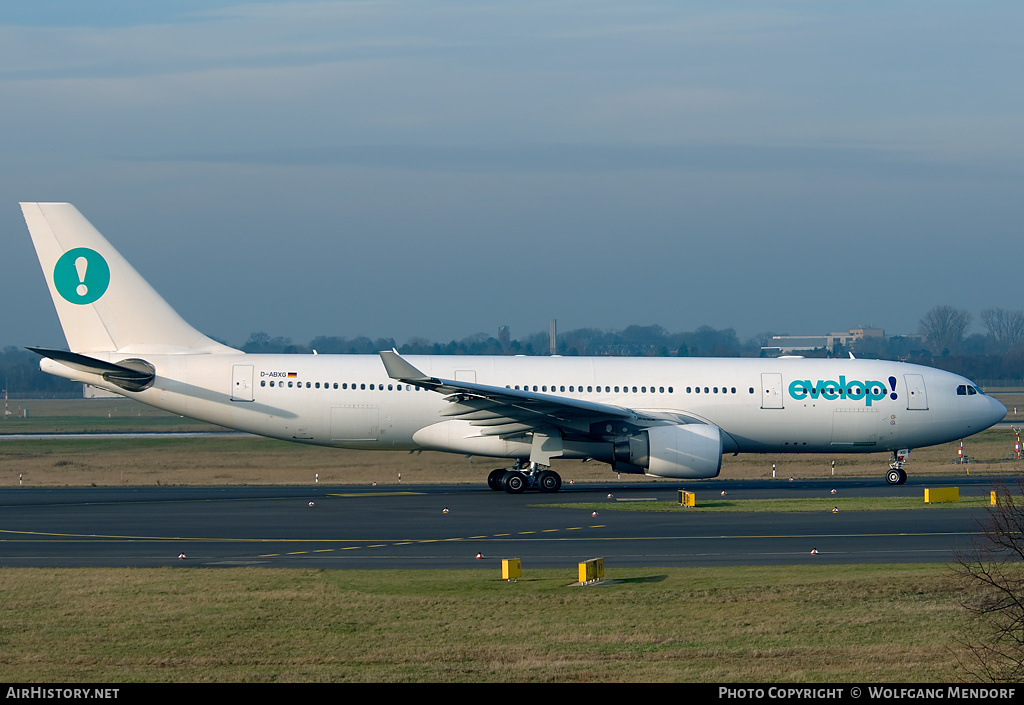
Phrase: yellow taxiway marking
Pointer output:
(40, 535)
(28, 535)
(424, 541)
(374, 494)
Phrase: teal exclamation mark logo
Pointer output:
(81, 275)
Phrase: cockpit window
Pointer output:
(967, 390)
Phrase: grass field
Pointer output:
(804, 624)
(809, 504)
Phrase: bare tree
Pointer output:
(992, 571)
(943, 328)
(1004, 327)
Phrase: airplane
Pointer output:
(663, 417)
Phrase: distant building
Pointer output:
(796, 344)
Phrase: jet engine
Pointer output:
(690, 451)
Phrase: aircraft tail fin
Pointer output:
(104, 305)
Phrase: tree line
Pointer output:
(943, 342)
(631, 341)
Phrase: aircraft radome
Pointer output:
(665, 417)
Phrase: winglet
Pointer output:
(399, 369)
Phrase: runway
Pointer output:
(407, 527)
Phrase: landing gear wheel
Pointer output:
(494, 479)
(549, 481)
(513, 482)
(896, 476)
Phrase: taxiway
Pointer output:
(407, 527)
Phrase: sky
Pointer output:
(440, 169)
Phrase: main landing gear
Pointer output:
(896, 475)
(524, 476)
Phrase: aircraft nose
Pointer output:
(997, 412)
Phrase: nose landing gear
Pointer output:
(897, 475)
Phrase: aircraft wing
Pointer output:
(502, 411)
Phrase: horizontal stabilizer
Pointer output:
(132, 375)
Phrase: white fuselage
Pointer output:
(761, 405)
(666, 417)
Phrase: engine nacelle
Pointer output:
(690, 451)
